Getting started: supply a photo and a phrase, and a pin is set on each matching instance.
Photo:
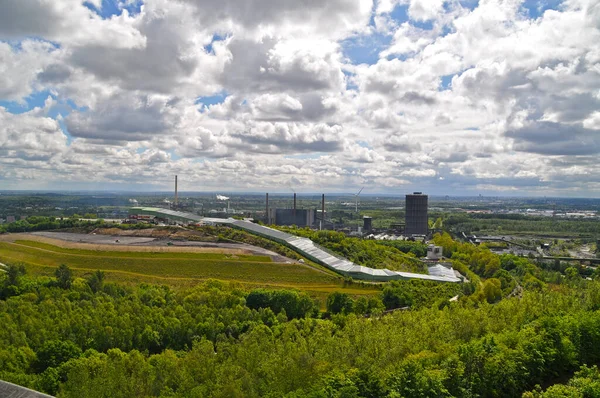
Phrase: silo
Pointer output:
(416, 214)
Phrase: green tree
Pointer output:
(361, 306)
(396, 297)
(12, 280)
(96, 281)
(295, 305)
(49, 381)
(64, 276)
(56, 352)
(492, 290)
(571, 273)
(14, 273)
(339, 303)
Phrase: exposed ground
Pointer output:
(585, 251)
(99, 241)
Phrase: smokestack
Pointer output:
(267, 213)
(322, 211)
(175, 191)
(294, 204)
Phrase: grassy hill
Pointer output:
(177, 269)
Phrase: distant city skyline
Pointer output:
(278, 194)
(459, 98)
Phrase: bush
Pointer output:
(56, 352)
(64, 276)
(295, 305)
(339, 303)
(396, 297)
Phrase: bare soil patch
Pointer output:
(136, 243)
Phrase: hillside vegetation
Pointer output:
(498, 224)
(43, 259)
(396, 255)
(515, 327)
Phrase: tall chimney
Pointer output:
(323, 211)
(294, 204)
(175, 191)
(267, 213)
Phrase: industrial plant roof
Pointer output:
(311, 250)
(11, 390)
(168, 212)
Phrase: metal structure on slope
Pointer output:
(307, 248)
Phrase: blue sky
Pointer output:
(113, 7)
(211, 99)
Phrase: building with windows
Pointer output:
(416, 218)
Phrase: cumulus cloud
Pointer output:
(484, 97)
(66, 21)
(313, 17)
(556, 139)
(31, 134)
(30, 145)
(288, 137)
(124, 118)
(397, 142)
(19, 67)
(425, 10)
(278, 65)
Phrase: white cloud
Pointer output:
(66, 22)
(486, 99)
(19, 67)
(425, 10)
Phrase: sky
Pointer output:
(446, 97)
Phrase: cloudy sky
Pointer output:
(451, 97)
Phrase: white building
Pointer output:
(434, 252)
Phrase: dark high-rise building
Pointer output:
(416, 214)
(367, 224)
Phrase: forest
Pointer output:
(42, 223)
(514, 330)
(521, 224)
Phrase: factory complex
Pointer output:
(303, 246)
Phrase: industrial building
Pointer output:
(293, 216)
(416, 218)
(165, 215)
(298, 217)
